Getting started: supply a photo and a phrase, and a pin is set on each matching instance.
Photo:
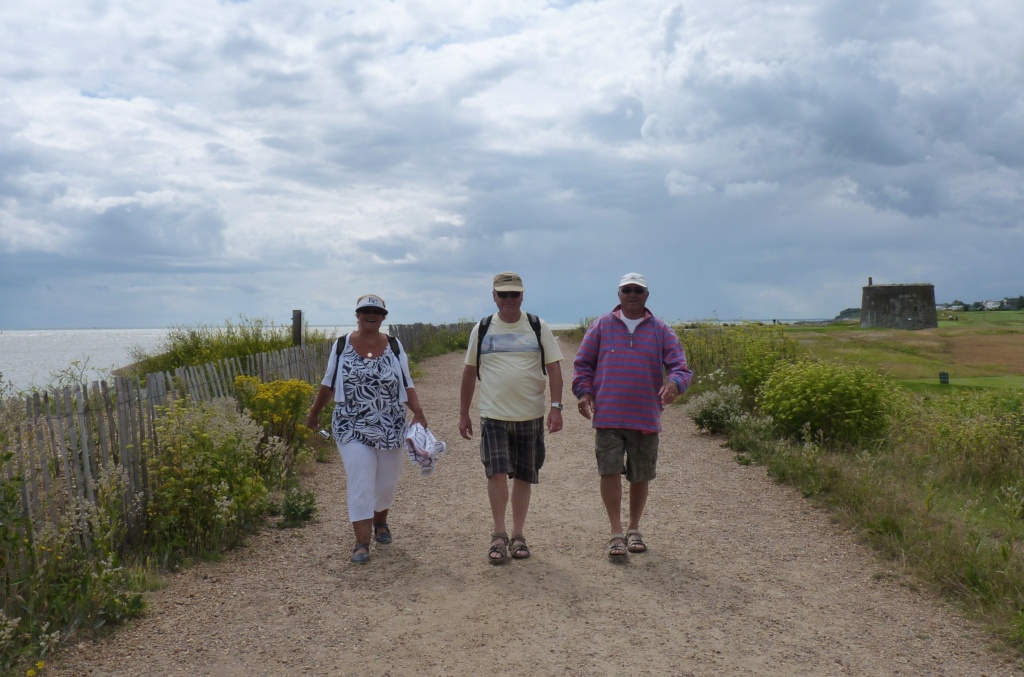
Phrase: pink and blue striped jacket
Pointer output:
(624, 373)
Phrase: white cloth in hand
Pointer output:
(423, 448)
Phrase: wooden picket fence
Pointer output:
(72, 434)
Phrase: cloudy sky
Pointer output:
(188, 161)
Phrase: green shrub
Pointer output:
(297, 507)
(714, 411)
(830, 402)
(205, 477)
(744, 354)
(279, 406)
(753, 434)
(75, 578)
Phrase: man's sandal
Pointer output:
(617, 548)
(361, 553)
(499, 548)
(519, 548)
(635, 542)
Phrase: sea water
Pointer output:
(36, 358)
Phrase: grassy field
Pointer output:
(981, 349)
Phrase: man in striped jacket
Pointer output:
(628, 367)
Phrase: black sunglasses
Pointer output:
(508, 294)
(632, 290)
(372, 311)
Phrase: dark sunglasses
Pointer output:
(508, 294)
(632, 290)
(372, 311)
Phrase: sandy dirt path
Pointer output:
(743, 577)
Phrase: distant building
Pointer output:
(898, 306)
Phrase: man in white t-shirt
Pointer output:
(517, 350)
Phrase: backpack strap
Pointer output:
(393, 342)
(485, 324)
(535, 323)
(339, 348)
(395, 348)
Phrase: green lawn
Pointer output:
(981, 349)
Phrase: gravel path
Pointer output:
(743, 577)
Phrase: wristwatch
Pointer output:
(556, 405)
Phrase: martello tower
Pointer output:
(898, 306)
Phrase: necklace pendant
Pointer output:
(369, 354)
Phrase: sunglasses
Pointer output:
(632, 290)
(372, 311)
(508, 294)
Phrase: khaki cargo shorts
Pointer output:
(624, 451)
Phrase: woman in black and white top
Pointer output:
(371, 386)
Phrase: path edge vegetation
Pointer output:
(221, 469)
(931, 477)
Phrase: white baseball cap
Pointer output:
(371, 301)
(633, 278)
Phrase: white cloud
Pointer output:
(750, 189)
(237, 157)
(679, 183)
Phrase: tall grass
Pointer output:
(575, 334)
(194, 345)
(742, 354)
(429, 340)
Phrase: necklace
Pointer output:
(369, 353)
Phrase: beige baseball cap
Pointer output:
(508, 282)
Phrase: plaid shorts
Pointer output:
(515, 448)
(620, 450)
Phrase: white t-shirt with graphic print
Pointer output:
(512, 385)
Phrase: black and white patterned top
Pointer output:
(371, 413)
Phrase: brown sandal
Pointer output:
(519, 548)
(499, 548)
(617, 547)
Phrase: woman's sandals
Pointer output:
(498, 553)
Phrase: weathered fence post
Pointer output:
(296, 327)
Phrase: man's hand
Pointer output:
(465, 427)
(586, 406)
(554, 420)
(669, 392)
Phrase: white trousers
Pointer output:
(372, 478)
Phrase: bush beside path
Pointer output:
(743, 577)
